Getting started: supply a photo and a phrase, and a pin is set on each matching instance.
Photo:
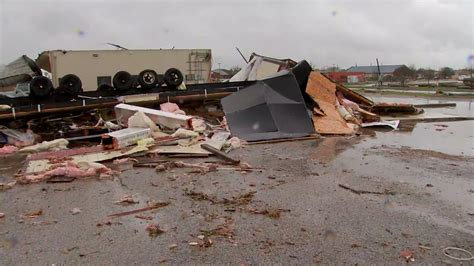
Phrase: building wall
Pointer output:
(342, 77)
(89, 65)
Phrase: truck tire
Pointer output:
(122, 80)
(72, 84)
(41, 86)
(173, 77)
(106, 90)
(148, 79)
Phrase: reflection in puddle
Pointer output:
(455, 138)
(329, 147)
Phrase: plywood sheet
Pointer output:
(323, 91)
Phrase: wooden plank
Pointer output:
(219, 154)
(193, 149)
(57, 110)
(435, 105)
(354, 96)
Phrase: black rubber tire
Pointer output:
(41, 87)
(106, 89)
(72, 84)
(122, 81)
(173, 77)
(148, 79)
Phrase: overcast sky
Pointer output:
(426, 33)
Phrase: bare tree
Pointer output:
(428, 74)
(402, 74)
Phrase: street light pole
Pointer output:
(220, 70)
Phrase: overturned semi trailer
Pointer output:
(122, 70)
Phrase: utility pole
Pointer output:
(379, 80)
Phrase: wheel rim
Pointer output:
(148, 78)
(40, 87)
(174, 77)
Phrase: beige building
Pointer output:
(96, 67)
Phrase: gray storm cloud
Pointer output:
(426, 33)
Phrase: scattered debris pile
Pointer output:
(284, 100)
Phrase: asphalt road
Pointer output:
(293, 210)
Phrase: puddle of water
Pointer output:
(463, 107)
(421, 91)
(456, 138)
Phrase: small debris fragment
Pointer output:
(154, 230)
(172, 246)
(125, 161)
(61, 179)
(151, 206)
(126, 200)
(2, 215)
(5, 186)
(408, 255)
(206, 242)
(108, 223)
(45, 222)
(193, 243)
(424, 247)
(75, 211)
(200, 237)
(429, 185)
(226, 229)
(148, 218)
(272, 213)
(33, 214)
(461, 254)
(358, 192)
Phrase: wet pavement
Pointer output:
(456, 137)
(293, 210)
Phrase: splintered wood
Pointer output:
(323, 91)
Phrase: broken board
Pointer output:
(323, 91)
(37, 166)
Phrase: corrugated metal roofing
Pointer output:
(384, 69)
(17, 67)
